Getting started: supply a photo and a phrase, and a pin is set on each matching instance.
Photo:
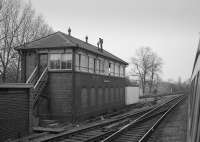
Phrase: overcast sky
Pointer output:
(170, 27)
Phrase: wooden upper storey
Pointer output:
(65, 52)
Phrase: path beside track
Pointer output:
(174, 127)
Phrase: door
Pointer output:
(43, 62)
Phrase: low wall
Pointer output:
(132, 94)
(15, 110)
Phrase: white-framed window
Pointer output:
(60, 61)
(106, 67)
(121, 71)
(97, 67)
(91, 64)
(101, 63)
(84, 63)
(77, 62)
(116, 69)
(124, 71)
(111, 68)
(54, 61)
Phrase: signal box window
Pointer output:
(60, 61)
(54, 61)
(66, 61)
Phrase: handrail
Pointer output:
(32, 74)
(41, 77)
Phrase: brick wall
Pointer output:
(59, 89)
(96, 100)
(15, 114)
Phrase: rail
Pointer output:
(141, 118)
(101, 130)
(32, 78)
(145, 136)
(40, 84)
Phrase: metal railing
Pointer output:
(40, 84)
(33, 77)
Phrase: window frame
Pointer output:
(60, 62)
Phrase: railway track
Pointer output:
(47, 136)
(96, 131)
(105, 130)
(140, 129)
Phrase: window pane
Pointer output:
(97, 66)
(54, 61)
(101, 66)
(84, 63)
(77, 62)
(66, 61)
(121, 71)
(111, 68)
(116, 69)
(124, 71)
(91, 65)
(106, 67)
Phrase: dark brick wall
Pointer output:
(60, 93)
(14, 112)
(88, 81)
(63, 102)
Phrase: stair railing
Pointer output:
(40, 84)
(33, 77)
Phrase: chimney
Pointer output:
(86, 39)
(101, 43)
(98, 45)
(69, 31)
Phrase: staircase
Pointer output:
(39, 82)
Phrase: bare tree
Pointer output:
(19, 25)
(9, 27)
(147, 66)
(33, 27)
(156, 68)
(142, 64)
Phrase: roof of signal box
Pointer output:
(62, 40)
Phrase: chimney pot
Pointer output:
(101, 43)
(69, 31)
(86, 39)
(98, 45)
